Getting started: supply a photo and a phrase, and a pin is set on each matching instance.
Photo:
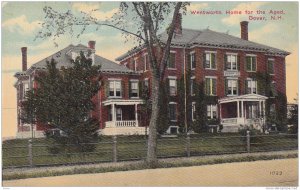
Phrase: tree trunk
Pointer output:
(151, 152)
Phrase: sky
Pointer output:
(21, 22)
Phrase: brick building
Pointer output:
(226, 65)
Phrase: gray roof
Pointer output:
(63, 60)
(209, 38)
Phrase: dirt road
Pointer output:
(259, 173)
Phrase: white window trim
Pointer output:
(207, 51)
(236, 57)
(251, 79)
(135, 63)
(193, 78)
(192, 53)
(271, 59)
(115, 91)
(174, 103)
(135, 81)
(114, 79)
(172, 51)
(229, 53)
(211, 112)
(172, 77)
(251, 55)
(145, 61)
(213, 77)
(237, 86)
(193, 110)
(251, 71)
(211, 52)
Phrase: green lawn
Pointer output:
(15, 152)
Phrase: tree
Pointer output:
(276, 116)
(293, 118)
(200, 123)
(63, 100)
(139, 20)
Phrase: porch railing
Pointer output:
(229, 120)
(253, 121)
(124, 123)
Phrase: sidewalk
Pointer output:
(168, 162)
(258, 173)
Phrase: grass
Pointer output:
(15, 152)
(139, 165)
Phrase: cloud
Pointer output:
(234, 19)
(262, 34)
(21, 25)
(196, 6)
(93, 9)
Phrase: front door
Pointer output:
(119, 114)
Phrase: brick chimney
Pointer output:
(24, 58)
(178, 24)
(91, 44)
(244, 30)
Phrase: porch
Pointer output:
(122, 117)
(245, 110)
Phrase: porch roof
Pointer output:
(246, 97)
(123, 102)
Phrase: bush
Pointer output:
(253, 133)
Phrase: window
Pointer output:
(119, 114)
(231, 62)
(172, 111)
(135, 65)
(271, 67)
(211, 86)
(211, 111)
(252, 110)
(171, 61)
(272, 109)
(172, 87)
(134, 89)
(251, 86)
(210, 60)
(232, 87)
(24, 90)
(146, 62)
(251, 63)
(192, 86)
(146, 83)
(193, 111)
(273, 89)
(193, 62)
(114, 88)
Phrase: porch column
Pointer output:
(238, 109)
(243, 109)
(264, 111)
(113, 113)
(136, 116)
(260, 110)
(220, 112)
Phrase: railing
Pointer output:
(253, 121)
(229, 121)
(124, 123)
(41, 152)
